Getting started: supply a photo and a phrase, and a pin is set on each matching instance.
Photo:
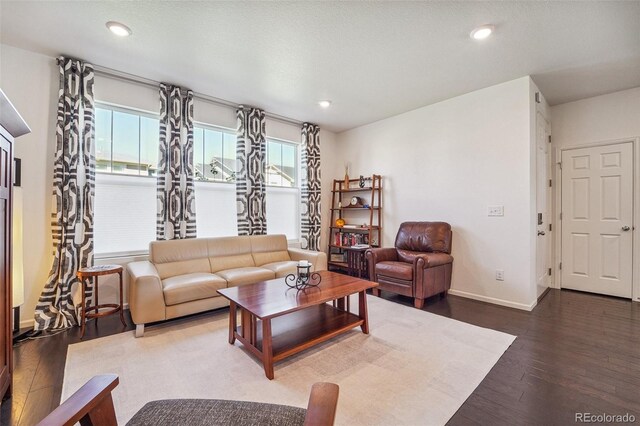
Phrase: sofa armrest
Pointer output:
(146, 299)
(317, 258)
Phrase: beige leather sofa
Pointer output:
(182, 277)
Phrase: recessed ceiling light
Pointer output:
(119, 29)
(324, 104)
(482, 32)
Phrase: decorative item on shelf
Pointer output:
(361, 181)
(339, 204)
(366, 206)
(346, 176)
(337, 257)
(304, 277)
(355, 202)
(340, 222)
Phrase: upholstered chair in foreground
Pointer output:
(92, 405)
(419, 265)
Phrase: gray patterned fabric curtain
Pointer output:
(176, 210)
(250, 173)
(310, 212)
(73, 193)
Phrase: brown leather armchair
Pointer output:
(419, 265)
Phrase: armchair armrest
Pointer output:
(90, 405)
(146, 299)
(317, 258)
(382, 254)
(323, 402)
(376, 255)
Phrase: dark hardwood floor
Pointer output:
(574, 353)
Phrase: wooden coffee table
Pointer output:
(277, 321)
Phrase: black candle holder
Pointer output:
(303, 279)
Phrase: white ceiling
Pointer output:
(373, 60)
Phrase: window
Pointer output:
(281, 163)
(126, 165)
(126, 158)
(126, 141)
(214, 154)
(283, 189)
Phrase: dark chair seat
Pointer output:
(215, 412)
(398, 270)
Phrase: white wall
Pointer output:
(606, 118)
(601, 118)
(450, 161)
(30, 80)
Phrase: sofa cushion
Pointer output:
(269, 249)
(178, 257)
(281, 269)
(189, 287)
(400, 270)
(246, 275)
(229, 253)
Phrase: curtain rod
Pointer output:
(132, 78)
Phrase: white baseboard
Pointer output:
(494, 300)
(30, 322)
(27, 323)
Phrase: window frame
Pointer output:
(132, 111)
(213, 127)
(297, 163)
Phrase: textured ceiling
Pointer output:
(373, 60)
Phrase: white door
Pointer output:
(597, 200)
(543, 204)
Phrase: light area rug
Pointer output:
(414, 368)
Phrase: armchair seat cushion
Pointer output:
(246, 275)
(282, 269)
(189, 287)
(398, 270)
(437, 259)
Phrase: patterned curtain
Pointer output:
(250, 174)
(310, 212)
(176, 211)
(73, 193)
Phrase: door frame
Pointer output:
(557, 179)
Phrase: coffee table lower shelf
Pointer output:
(295, 331)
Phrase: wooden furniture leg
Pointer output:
(95, 289)
(121, 302)
(233, 318)
(362, 312)
(83, 309)
(375, 292)
(247, 327)
(267, 349)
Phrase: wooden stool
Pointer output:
(95, 272)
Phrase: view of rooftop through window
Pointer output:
(127, 143)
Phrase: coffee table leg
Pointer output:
(232, 322)
(362, 312)
(267, 349)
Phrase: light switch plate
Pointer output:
(499, 275)
(496, 211)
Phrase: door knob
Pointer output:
(625, 228)
(541, 233)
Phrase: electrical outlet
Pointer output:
(495, 210)
(499, 275)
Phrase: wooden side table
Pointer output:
(89, 312)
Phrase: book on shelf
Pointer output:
(350, 239)
(360, 246)
(337, 257)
